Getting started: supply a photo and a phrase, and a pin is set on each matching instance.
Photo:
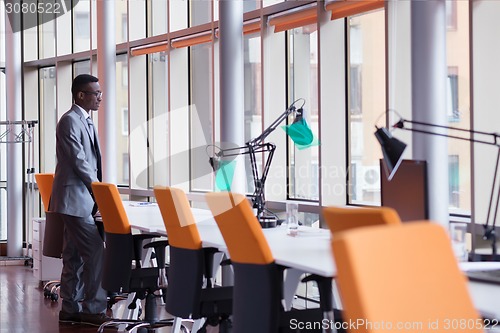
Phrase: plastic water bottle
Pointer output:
(292, 211)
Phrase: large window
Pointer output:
(121, 104)
(158, 105)
(201, 114)
(253, 98)
(48, 118)
(3, 161)
(366, 103)
(81, 26)
(458, 104)
(303, 84)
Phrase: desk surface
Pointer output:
(309, 251)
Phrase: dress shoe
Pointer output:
(67, 317)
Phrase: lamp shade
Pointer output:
(392, 149)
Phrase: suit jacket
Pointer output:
(78, 165)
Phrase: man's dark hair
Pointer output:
(81, 81)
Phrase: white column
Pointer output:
(106, 71)
(15, 168)
(429, 74)
(232, 111)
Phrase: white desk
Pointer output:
(309, 252)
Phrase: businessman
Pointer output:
(78, 165)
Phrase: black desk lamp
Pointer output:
(392, 150)
(252, 147)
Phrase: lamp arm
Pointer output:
(489, 229)
(496, 136)
(275, 124)
(258, 196)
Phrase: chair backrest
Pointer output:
(344, 218)
(45, 181)
(110, 205)
(117, 267)
(178, 218)
(402, 275)
(258, 281)
(240, 229)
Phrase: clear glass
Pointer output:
(121, 18)
(250, 5)
(366, 101)
(253, 98)
(122, 118)
(3, 213)
(178, 15)
(81, 67)
(3, 162)
(48, 117)
(303, 83)
(158, 19)
(81, 26)
(158, 102)
(2, 35)
(47, 35)
(458, 103)
(201, 116)
(200, 12)
(292, 222)
(459, 240)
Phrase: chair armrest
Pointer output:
(159, 248)
(138, 240)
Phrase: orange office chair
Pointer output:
(344, 218)
(402, 278)
(186, 297)
(53, 235)
(258, 280)
(123, 249)
(44, 182)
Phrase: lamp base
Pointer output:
(268, 221)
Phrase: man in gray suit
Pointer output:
(78, 165)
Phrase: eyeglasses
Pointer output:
(97, 94)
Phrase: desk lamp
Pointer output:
(392, 150)
(299, 131)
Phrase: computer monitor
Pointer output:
(407, 191)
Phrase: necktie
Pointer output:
(91, 128)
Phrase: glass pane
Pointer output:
(253, 98)
(458, 105)
(303, 84)
(159, 119)
(47, 33)
(158, 18)
(82, 67)
(2, 36)
(3, 162)
(48, 118)
(201, 118)
(266, 3)
(200, 12)
(121, 21)
(366, 103)
(81, 26)
(249, 5)
(178, 15)
(122, 119)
